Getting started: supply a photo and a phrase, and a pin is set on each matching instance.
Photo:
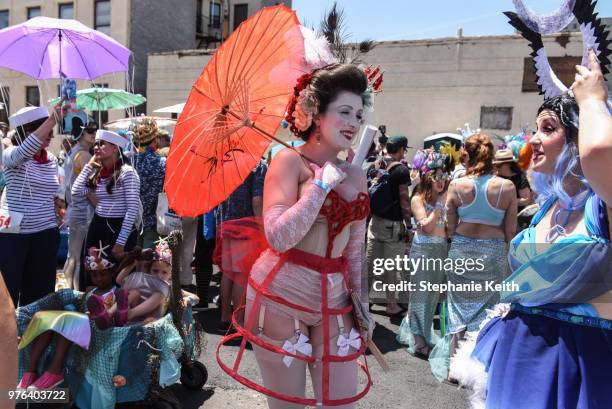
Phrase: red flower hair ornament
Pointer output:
(304, 104)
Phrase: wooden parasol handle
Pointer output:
(270, 136)
(380, 358)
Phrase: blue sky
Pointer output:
(411, 19)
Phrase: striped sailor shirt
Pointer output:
(31, 187)
(122, 202)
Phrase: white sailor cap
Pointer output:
(26, 115)
(111, 137)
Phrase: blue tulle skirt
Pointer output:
(534, 361)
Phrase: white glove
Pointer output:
(330, 175)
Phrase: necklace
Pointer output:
(558, 229)
(441, 221)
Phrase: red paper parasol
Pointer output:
(234, 109)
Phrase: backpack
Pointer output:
(381, 191)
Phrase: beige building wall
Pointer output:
(435, 86)
(84, 12)
(253, 7)
(170, 77)
(429, 86)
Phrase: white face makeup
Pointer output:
(548, 142)
(341, 122)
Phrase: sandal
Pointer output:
(98, 312)
(121, 315)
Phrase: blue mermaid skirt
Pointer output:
(422, 304)
(467, 309)
(539, 362)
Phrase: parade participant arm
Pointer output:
(451, 209)
(124, 273)
(404, 196)
(509, 191)
(146, 307)
(79, 187)
(286, 221)
(257, 190)
(525, 198)
(131, 184)
(189, 298)
(8, 344)
(595, 133)
(425, 222)
(257, 203)
(15, 156)
(400, 176)
(354, 251)
(81, 159)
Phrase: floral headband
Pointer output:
(163, 252)
(95, 259)
(428, 160)
(304, 104)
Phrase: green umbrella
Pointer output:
(103, 99)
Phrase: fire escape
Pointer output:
(209, 27)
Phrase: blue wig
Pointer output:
(568, 162)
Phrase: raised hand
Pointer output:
(589, 83)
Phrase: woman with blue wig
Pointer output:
(553, 347)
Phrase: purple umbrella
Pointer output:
(46, 48)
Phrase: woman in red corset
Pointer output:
(298, 308)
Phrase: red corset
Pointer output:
(339, 213)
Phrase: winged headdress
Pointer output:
(532, 27)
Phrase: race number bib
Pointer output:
(10, 222)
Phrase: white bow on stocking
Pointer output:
(301, 346)
(353, 340)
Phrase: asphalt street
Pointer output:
(409, 384)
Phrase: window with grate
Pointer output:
(4, 19)
(562, 66)
(100, 116)
(32, 96)
(241, 13)
(33, 12)
(66, 10)
(215, 15)
(102, 16)
(496, 117)
(5, 103)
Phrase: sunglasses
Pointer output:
(99, 143)
(443, 176)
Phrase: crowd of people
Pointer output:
(298, 241)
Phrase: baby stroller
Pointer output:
(127, 364)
